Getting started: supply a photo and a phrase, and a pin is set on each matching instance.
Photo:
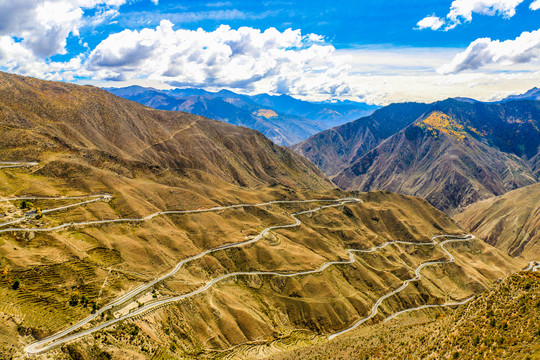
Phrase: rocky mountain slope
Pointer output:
(455, 153)
(60, 261)
(501, 323)
(282, 119)
(510, 222)
(335, 149)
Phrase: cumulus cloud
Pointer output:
(245, 58)
(462, 10)
(535, 5)
(430, 22)
(43, 26)
(484, 51)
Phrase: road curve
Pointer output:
(59, 338)
(48, 211)
(428, 306)
(375, 308)
(16, 164)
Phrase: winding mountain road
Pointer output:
(16, 164)
(375, 308)
(63, 336)
(427, 307)
(60, 338)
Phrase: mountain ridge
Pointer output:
(294, 119)
(186, 193)
(453, 153)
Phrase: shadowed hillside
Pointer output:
(453, 154)
(335, 149)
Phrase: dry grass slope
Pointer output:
(90, 142)
(501, 323)
(509, 222)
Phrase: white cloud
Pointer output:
(44, 25)
(246, 58)
(535, 5)
(462, 10)
(483, 52)
(430, 22)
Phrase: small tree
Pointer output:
(16, 284)
(74, 300)
(24, 204)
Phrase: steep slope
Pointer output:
(501, 323)
(281, 124)
(450, 169)
(454, 155)
(93, 121)
(113, 195)
(509, 222)
(335, 149)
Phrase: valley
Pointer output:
(236, 180)
(125, 248)
(453, 153)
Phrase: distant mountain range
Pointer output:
(452, 153)
(283, 119)
(533, 94)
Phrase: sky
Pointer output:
(373, 51)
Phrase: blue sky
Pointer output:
(373, 51)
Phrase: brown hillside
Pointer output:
(89, 142)
(509, 222)
(501, 323)
(48, 116)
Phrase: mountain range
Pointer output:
(452, 153)
(533, 95)
(209, 200)
(283, 119)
